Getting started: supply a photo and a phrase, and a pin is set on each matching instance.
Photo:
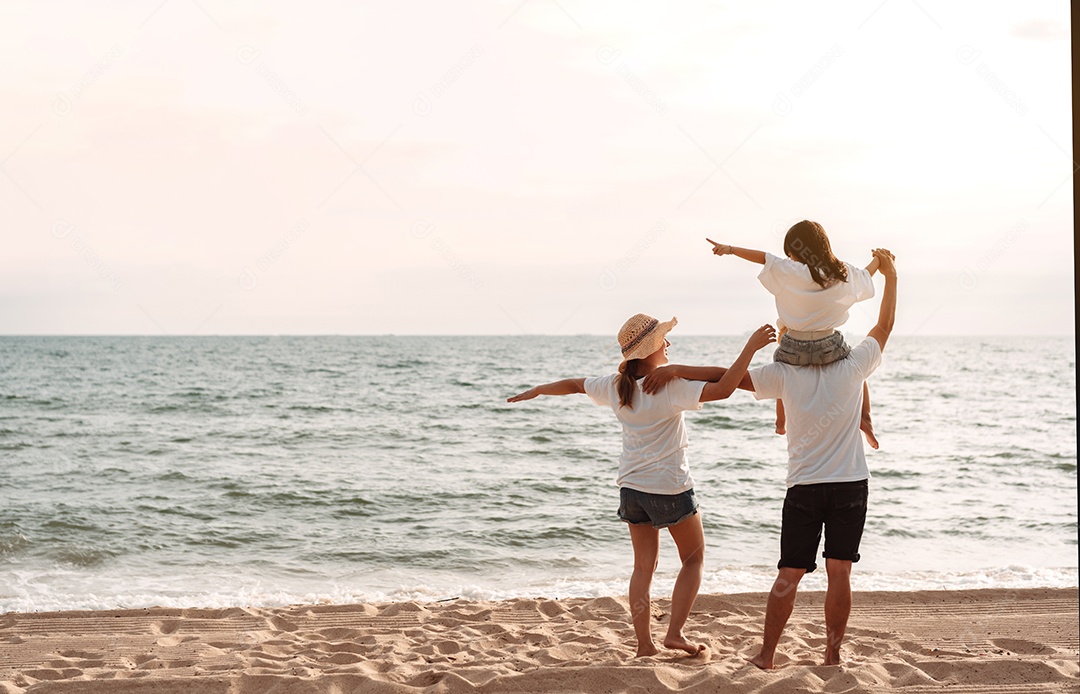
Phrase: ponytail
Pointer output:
(627, 384)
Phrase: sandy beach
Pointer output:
(991, 641)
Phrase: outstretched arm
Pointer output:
(887, 312)
(723, 388)
(663, 375)
(567, 386)
(744, 253)
(872, 266)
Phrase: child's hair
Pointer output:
(627, 385)
(807, 243)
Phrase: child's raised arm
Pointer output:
(567, 386)
(744, 253)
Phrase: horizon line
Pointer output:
(743, 334)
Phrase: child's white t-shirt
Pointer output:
(653, 433)
(802, 304)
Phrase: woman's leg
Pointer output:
(690, 539)
(646, 540)
(865, 423)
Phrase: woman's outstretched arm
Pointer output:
(663, 375)
(567, 386)
(655, 382)
(723, 388)
(744, 253)
(725, 384)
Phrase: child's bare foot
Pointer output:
(647, 649)
(761, 661)
(868, 430)
(781, 428)
(681, 644)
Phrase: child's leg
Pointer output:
(781, 418)
(865, 424)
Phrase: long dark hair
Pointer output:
(627, 385)
(807, 243)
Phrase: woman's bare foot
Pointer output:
(681, 644)
(761, 661)
(647, 649)
(868, 430)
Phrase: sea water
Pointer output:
(207, 471)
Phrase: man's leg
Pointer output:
(781, 603)
(837, 607)
(844, 523)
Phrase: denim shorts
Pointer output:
(839, 507)
(818, 352)
(662, 510)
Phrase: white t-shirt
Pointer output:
(653, 433)
(802, 304)
(823, 405)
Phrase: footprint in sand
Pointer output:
(165, 626)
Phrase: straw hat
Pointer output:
(642, 335)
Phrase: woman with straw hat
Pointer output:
(655, 487)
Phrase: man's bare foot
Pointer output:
(781, 428)
(832, 657)
(761, 661)
(868, 430)
(645, 650)
(681, 644)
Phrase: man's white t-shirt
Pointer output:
(802, 304)
(823, 406)
(653, 433)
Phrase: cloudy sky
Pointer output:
(490, 167)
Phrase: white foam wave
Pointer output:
(35, 597)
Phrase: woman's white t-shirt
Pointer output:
(802, 304)
(654, 437)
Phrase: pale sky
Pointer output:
(490, 167)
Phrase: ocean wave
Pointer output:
(81, 557)
(721, 422)
(13, 543)
(402, 364)
(26, 594)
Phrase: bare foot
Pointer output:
(781, 428)
(761, 661)
(868, 430)
(832, 657)
(681, 644)
(645, 650)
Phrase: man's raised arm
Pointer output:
(887, 312)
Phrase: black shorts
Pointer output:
(839, 507)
